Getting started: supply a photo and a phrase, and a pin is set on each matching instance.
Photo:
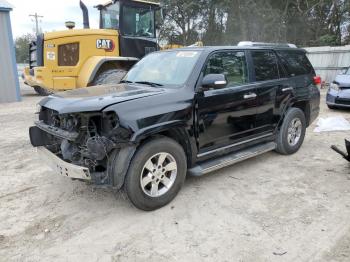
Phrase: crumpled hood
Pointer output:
(96, 98)
(343, 80)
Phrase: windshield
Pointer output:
(110, 17)
(138, 21)
(164, 68)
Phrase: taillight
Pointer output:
(317, 80)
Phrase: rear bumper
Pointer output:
(61, 167)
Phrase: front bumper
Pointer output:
(338, 98)
(62, 167)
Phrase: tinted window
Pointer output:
(232, 64)
(138, 21)
(265, 65)
(110, 16)
(295, 63)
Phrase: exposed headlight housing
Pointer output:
(68, 54)
(334, 86)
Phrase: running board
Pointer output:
(230, 159)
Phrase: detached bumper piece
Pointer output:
(63, 168)
(345, 155)
(71, 136)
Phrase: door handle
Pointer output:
(250, 95)
(287, 89)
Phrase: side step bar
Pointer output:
(230, 159)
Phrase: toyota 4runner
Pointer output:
(177, 112)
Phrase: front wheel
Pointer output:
(292, 132)
(156, 174)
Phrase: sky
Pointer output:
(55, 14)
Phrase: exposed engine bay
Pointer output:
(83, 139)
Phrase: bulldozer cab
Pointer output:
(135, 21)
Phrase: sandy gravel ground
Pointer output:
(270, 208)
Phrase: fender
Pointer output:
(176, 129)
(93, 64)
(141, 134)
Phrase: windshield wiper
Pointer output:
(126, 81)
(148, 83)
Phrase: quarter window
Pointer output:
(295, 63)
(232, 64)
(265, 65)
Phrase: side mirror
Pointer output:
(214, 81)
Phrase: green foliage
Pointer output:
(22, 47)
(218, 22)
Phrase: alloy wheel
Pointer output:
(158, 174)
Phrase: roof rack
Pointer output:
(250, 43)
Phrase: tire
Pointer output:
(110, 76)
(286, 145)
(141, 195)
(42, 91)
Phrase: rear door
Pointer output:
(273, 89)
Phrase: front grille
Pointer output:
(342, 101)
(32, 55)
(68, 54)
(36, 52)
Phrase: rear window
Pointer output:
(265, 65)
(295, 63)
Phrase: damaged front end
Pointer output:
(82, 146)
(345, 155)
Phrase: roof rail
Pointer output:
(250, 43)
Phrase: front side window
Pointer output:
(232, 64)
(170, 68)
(110, 16)
(138, 21)
(265, 65)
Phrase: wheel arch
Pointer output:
(305, 107)
(94, 65)
(124, 156)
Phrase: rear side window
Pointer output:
(265, 65)
(295, 62)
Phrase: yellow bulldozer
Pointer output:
(76, 58)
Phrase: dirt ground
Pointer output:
(270, 208)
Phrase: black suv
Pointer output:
(191, 110)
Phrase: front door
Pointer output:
(226, 116)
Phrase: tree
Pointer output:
(219, 22)
(22, 47)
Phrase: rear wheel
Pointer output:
(156, 174)
(110, 76)
(292, 132)
(42, 91)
